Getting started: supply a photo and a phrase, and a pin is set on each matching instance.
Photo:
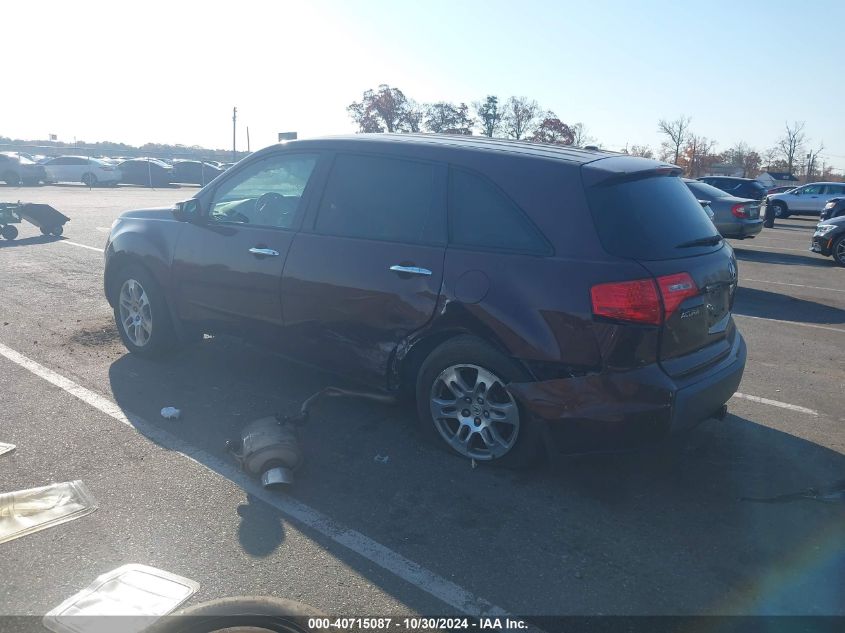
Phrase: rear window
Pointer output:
(650, 218)
(703, 191)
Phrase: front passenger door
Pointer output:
(228, 264)
(367, 273)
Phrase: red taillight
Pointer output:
(636, 301)
(674, 289)
(739, 211)
(639, 301)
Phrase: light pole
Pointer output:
(234, 130)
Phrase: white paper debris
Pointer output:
(6, 448)
(26, 511)
(137, 593)
(170, 413)
(382, 459)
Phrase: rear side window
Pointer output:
(481, 216)
(650, 218)
(379, 198)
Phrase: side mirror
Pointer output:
(187, 210)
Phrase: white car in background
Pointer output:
(809, 199)
(90, 171)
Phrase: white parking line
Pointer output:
(445, 590)
(776, 403)
(783, 283)
(812, 325)
(90, 248)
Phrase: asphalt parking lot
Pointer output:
(666, 531)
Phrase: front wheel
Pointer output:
(141, 313)
(781, 211)
(464, 404)
(838, 251)
(9, 232)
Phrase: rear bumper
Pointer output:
(613, 411)
(741, 230)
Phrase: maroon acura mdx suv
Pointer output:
(528, 295)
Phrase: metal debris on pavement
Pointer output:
(138, 593)
(382, 459)
(6, 448)
(26, 511)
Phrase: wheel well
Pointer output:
(117, 263)
(410, 365)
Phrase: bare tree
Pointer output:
(677, 133)
(489, 115)
(791, 144)
(580, 138)
(769, 156)
(519, 116)
(643, 151)
(696, 150)
(812, 160)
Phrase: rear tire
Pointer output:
(141, 313)
(781, 212)
(11, 179)
(9, 232)
(838, 251)
(480, 418)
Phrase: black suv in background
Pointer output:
(739, 187)
(526, 294)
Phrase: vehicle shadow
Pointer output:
(654, 532)
(27, 241)
(768, 257)
(774, 305)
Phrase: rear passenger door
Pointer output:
(366, 269)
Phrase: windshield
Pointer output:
(650, 218)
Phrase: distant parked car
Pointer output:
(16, 170)
(780, 189)
(809, 199)
(734, 217)
(739, 187)
(90, 171)
(194, 172)
(149, 172)
(829, 239)
(833, 209)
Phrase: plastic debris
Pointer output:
(139, 593)
(26, 511)
(6, 448)
(473, 463)
(382, 459)
(171, 413)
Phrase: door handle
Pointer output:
(411, 270)
(263, 252)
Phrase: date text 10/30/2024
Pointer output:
(417, 624)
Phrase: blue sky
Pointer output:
(738, 69)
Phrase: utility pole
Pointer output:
(234, 129)
(247, 139)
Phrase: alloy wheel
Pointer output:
(135, 314)
(474, 412)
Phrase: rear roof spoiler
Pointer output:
(614, 169)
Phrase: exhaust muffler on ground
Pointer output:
(270, 448)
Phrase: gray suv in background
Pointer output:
(809, 199)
